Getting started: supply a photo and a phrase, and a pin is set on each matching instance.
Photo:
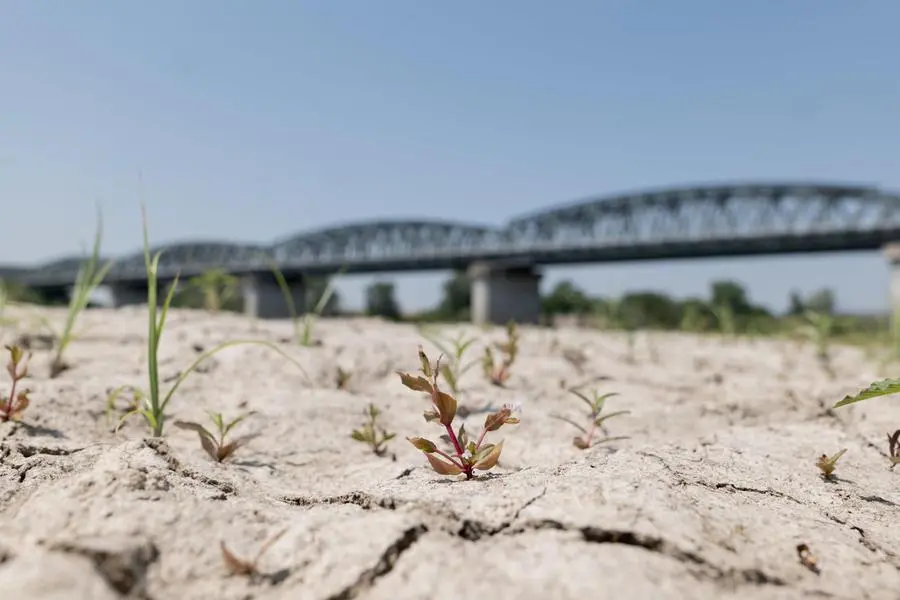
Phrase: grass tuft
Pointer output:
(151, 404)
(90, 275)
(303, 327)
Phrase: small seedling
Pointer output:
(498, 374)
(575, 357)
(819, 329)
(244, 567)
(4, 303)
(454, 349)
(217, 287)
(373, 434)
(894, 448)
(90, 275)
(152, 404)
(595, 405)
(13, 405)
(216, 447)
(303, 328)
(469, 456)
(725, 318)
(827, 464)
(342, 378)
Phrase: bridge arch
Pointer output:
(376, 240)
(707, 212)
(192, 257)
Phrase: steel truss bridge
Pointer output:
(688, 222)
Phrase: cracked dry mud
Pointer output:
(708, 498)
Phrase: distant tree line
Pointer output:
(726, 308)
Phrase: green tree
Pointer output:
(381, 301)
(730, 295)
(457, 299)
(652, 309)
(821, 301)
(566, 298)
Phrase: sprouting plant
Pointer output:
(342, 378)
(894, 448)
(214, 445)
(152, 403)
(454, 349)
(244, 567)
(217, 286)
(4, 302)
(90, 275)
(372, 433)
(575, 357)
(468, 456)
(820, 328)
(827, 464)
(595, 405)
(498, 374)
(622, 315)
(725, 318)
(13, 405)
(303, 328)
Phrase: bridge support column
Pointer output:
(503, 292)
(130, 294)
(55, 295)
(264, 299)
(892, 253)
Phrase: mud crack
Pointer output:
(598, 535)
(124, 568)
(361, 499)
(385, 564)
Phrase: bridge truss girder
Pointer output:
(720, 219)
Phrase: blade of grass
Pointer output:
(87, 280)
(309, 320)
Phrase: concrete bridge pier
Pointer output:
(55, 295)
(892, 254)
(130, 294)
(502, 292)
(264, 299)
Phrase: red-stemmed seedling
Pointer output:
(894, 448)
(242, 566)
(13, 405)
(498, 372)
(215, 446)
(468, 455)
(595, 404)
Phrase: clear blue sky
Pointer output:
(254, 120)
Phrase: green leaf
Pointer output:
(462, 436)
(884, 387)
(602, 418)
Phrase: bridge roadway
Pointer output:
(739, 219)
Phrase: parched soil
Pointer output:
(709, 497)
